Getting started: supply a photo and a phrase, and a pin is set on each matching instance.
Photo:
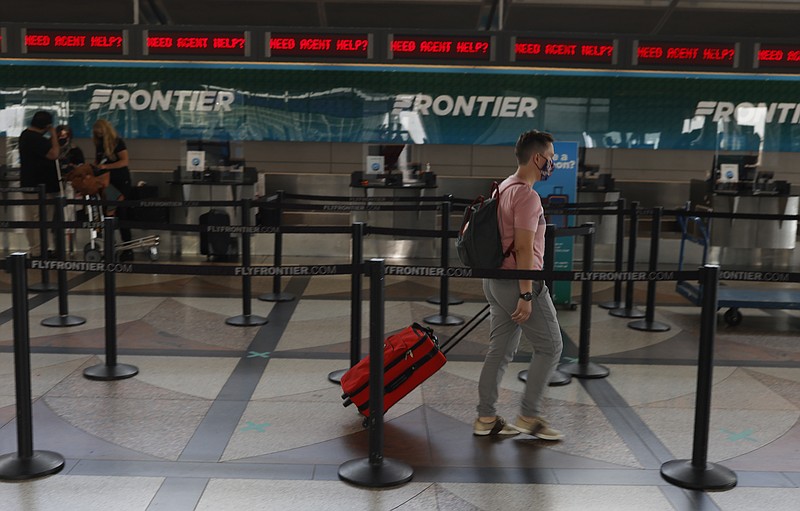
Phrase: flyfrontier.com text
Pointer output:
(623, 275)
(37, 264)
(427, 271)
(261, 271)
(754, 275)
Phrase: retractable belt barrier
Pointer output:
(696, 474)
(338, 198)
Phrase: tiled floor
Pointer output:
(223, 417)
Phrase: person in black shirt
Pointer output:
(37, 166)
(111, 155)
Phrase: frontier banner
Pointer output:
(435, 105)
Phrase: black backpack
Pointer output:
(479, 243)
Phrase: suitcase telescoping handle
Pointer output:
(468, 327)
(422, 331)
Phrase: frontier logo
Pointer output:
(141, 99)
(744, 112)
(468, 106)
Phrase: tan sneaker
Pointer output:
(537, 427)
(498, 427)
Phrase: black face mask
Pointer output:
(63, 141)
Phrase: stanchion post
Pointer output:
(698, 473)
(64, 319)
(356, 260)
(444, 286)
(584, 368)
(444, 317)
(619, 252)
(110, 370)
(246, 318)
(277, 295)
(25, 463)
(649, 324)
(45, 284)
(629, 311)
(376, 471)
(558, 378)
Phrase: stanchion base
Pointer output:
(622, 312)
(557, 379)
(66, 320)
(711, 477)
(276, 297)
(451, 300)
(104, 372)
(336, 376)
(649, 326)
(610, 305)
(590, 370)
(42, 287)
(246, 320)
(42, 463)
(388, 473)
(438, 319)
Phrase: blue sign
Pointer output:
(562, 188)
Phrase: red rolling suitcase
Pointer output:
(410, 357)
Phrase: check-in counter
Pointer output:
(605, 225)
(752, 234)
(399, 246)
(222, 187)
(9, 179)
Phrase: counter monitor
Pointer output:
(563, 51)
(111, 42)
(423, 47)
(318, 45)
(210, 44)
(671, 54)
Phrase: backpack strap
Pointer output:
(496, 193)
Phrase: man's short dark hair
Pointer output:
(41, 120)
(531, 142)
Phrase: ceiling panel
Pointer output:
(693, 18)
(769, 24)
(74, 11)
(425, 15)
(585, 19)
(242, 13)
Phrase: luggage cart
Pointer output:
(698, 230)
(93, 251)
(92, 187)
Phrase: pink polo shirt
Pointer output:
(521, 208)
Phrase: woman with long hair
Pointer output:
(111, 155)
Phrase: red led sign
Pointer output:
(564, 50)
(440, 47)
(778, 56)
(196, 43)
(74, 41)
(318, 45)
(686, 54)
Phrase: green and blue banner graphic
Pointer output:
(561, 188)
(433, 105)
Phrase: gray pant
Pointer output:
(541, 330)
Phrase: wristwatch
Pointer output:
(527, 296)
